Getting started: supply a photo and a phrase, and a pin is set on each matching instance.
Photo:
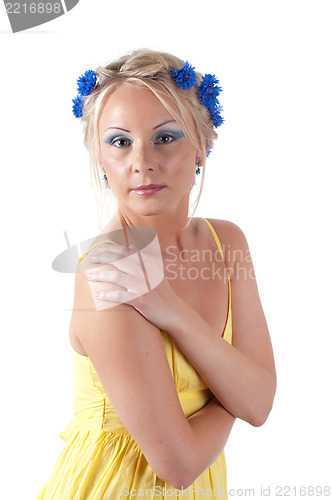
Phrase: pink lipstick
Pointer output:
(148, 190)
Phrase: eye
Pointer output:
(119, 142)
(164, 139)
(167, 137)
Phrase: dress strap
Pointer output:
(94, 246)
(227, 333)
(215, 236)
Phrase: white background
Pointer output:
(269, 174)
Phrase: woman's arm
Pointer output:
(128, 354)
(242, 375)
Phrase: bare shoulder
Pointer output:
(128, 355)
(233, 241)
(94, 319)
(228, 232)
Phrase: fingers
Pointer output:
(110, 277)
(116, 296)
(107, 253)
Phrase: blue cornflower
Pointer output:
(208, 151)
(216, 119)
(208, 91)
(86, 82)
(185, 77)
(78, 106)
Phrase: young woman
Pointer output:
(170, 344)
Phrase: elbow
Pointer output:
(259, 419)
(180, 479)
(262, 411)
(177, 475)
(178, 470)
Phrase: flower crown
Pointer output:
(207, 91)
(185, 78)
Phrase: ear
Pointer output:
(199, 156)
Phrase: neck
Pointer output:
(172, 227)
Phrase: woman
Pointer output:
(170, 346)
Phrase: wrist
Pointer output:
(184, 318)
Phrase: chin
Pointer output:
(148, 209)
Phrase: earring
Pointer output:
(105, 177)
(198, 166)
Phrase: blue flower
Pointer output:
(86, 82)
(216, 119)
(185, 77)
(208, 151)
(208, 91)
(78, 106)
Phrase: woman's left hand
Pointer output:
(135, 278)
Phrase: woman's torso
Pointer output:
(197, 273)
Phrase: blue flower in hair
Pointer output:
(216, 119)
(185, 77)
(78, 106)
(208, 91)
(86, 82)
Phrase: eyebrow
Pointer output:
(164, 123)
(118, 128)
(128, 131)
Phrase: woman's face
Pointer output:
(150, 165)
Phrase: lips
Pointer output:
(148, 190)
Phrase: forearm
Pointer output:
(212, 426)
(242, 386)
(203, 442)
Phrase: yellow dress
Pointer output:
(101, 460)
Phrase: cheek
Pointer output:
(184, 164)
(114, 164)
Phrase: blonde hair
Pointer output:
(154, 71)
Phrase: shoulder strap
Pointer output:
(227, 334)
(215, 236)
(94, 246)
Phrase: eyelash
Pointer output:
(115, 140)
(169, 136)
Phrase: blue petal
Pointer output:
(78, 104)
(86, 82)
(216, 119)
(185, 78)
(208, 91)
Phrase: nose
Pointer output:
(143, 159)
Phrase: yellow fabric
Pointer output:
(102, 461)
(94, 246)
